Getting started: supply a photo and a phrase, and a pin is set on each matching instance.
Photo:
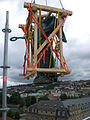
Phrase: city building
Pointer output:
(78, 108)
(73, 109)
(48, 110)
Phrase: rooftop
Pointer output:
(78, 101)
(47, 104)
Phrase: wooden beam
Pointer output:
(20, 26)
(35, 40)
(46, 70)
(45, 43)
(48, 8)
(30, 74)
(61, 43)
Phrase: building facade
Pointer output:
(48, 110)
(73, 109)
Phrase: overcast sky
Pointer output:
(77, 31)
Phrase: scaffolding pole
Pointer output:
(5, 67)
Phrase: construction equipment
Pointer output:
(44, 37)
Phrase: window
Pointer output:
(45, 117)
(32, 117)
(32, 110)
(36, 110)
(63, 113)
(51, 118)
(58, 113)
(41, 117)
(50, 113)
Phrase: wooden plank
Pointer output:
(61, 43)
(20, 26)
(35, 40)
(30, 74)
(46, 70)
(48, 8)
(45, 43)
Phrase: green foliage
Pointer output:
(43, 98)
(30, 100)
(0, 113)
(14, 113)
(63, 96)
(17, 115)
(88, 82)
(0, 98)
(11, 113)
(15, 98)
(22, 103)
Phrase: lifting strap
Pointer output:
(39, 31)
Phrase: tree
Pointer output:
(30, 100)
(15, 98)
(0, 113)
(63, 96)
(14, 113)
(0, 98)
(43, 98)
(22, 103)
(33, 100)
(17, 115)
(10, 113)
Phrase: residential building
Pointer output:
(78, 108)
(73, 109)
(48, 110)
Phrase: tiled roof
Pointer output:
(48, 104)
(79, 101)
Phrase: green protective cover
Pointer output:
(48, 27)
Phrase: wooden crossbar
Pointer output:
(45, 43)
(47, 70)
(63, 12)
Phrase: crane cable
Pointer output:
(61, 4)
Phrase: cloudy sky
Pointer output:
(76, 51)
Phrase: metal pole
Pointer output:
(5, 63)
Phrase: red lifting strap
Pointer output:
(26, 54)
(24, 64)
(44, 56)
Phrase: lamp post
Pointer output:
(5, 67)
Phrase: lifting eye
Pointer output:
(13, 38)
(16, 38)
